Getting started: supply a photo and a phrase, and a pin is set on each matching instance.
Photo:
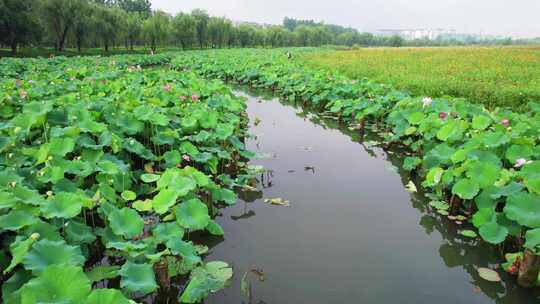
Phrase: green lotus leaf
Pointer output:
(450, 131)
(439, 205)
(128, 195)
(186, 250)
(483, 216)
(507, 190)
(172, 158)
(142, 206)
(100, 273)
(434, 176)
(524, 208)
(138, 278)
(61, 146)
(466, 188)
(481, 122)
(416, 118)
(107, 296)
(192, 214)
(493, 233)
(11, 288)
(126, 222)
(214, 228)
(64, 205)
(224, 195)
(165, 232)
(486, 174)
(533, 185)
(164, 200)
(16, 219)
(57, 284)
(531, 171)
(495, 139)
(7, 200)
(149, 178)
(188, 148)
(45, 253)
(468, 233)
(486, 198)
(133, 146)
(206, 279)
(19, 248)
(79, 233)
(516, 152)
(532, 238)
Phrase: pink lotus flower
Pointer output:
(30, 81)
(23, 94)
(71, 78)
(183, 98)
(167, 87)
(186, 157)
(443, 115)
(505, 122)
(194, 97)
(521, 162)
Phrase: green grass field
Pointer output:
(492, 76)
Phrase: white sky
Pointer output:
(502, 17)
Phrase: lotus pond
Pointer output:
(118, 175)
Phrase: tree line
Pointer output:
(128, 23)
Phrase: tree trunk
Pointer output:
(79, 43)
(106, 46)
(528, 269)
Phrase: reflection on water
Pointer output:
(350, 235)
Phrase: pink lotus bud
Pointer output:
(167, 87)
(522, 162)
(443, 115)
(23, 94)
(194, 97)
(505, 122)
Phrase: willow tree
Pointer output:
(59, 16)
(156, 29)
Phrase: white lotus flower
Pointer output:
(426, 101)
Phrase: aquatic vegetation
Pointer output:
(479, 165)
(105, 171)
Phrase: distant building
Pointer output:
(411, 34)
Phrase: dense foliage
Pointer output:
(106, 169)
(475, 165)
(490, 76)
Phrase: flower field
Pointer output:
(490, 76)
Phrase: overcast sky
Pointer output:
(504, 17)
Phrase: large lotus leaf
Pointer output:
(28, 196)
(7, 200)
(133, 146)
(516, 152)
(493, 233)
(186, 250)
(100, 273)
(223, 131)
(11, 288)
(164, 200)
(107, 296)
(79, 233)
(19, 248)
(214, 228)
(126, 222)
(533, 185)
(483, 216)
(453, 130)
(192, 214)
(138, 278)
(57, 284)
(532, 238)
(466, 188)
(172, 158)
(524, 208)
(507, 190)
(486, 198)
(165, 232)
(16, 219)
(64, 205)
(173, 180)
(206, 279)
(225, 195)
(189, 149)
(486, 174)
(494, 139)
(531, 171)
(45, 253)
(44, 229)
(61, 146)
(481, 122)
(434, 176)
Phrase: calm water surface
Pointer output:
(352, 234)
